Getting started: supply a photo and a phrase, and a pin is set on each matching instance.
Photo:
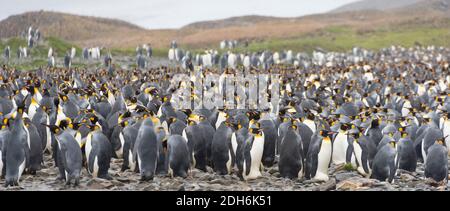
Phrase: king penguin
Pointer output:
(407, 158)
(98, 153)
(384, 164)
(291, 164)
(253, 152)
(69, 154)
(16, 151)
(436, 165)
(319, 156)
(178, 156)
(145, 152)
(222, 154)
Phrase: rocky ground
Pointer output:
(340, 180)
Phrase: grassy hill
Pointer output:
(397, 22)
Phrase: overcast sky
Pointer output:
(155, 14)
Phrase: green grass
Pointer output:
(343, 39)
(335, 38)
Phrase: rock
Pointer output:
(123, 179)
(345, 175)
(355, 183)
(273, 170)
(97, 183)
(330, 185)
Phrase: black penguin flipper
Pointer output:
(349, 153)
(90, 161)
(247, 156)
(392, 170)
(364, 160)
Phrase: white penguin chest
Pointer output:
(256, 153)
(324, 158)
(446, 130)
(221, 118)
(311, 124)
(88, 146)
(119, 152)
(340, 146)
(234, 143)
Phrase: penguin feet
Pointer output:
(105, 176)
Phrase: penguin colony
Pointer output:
(387, 111)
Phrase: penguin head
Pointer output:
(94, 127)
(74, 125)
(392, 144)
(326, 134)
(5, 123)
(54, 129)
(441, 141)
(255, 131)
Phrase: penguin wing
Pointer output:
(365, 158)
(247, 155)
(349, 153)
(392, 170)
(314, 159)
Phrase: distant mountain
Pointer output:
(381, 5)
(248, 20)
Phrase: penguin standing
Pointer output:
(270, 134)
(146, 150)
(340, 145)
(436, 165)
(98, 153)
(222, 154)
(178, 156)
(360, 153)
(291, 164)
(253, 152)
(384, 164)
(35, 147)
(16, 151)
(319, 156)
(69, 156)
(407, 158)
(431, 136)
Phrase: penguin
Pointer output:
(340, 145)
(222, 152)
(384, 164)
(270, 134)
(360, 153)
(253, 152)
(207, 131)
(431, 136)
(177, 156)
(445, 126)
(237, 143)
(196, 144)
(176, 126)
(436, 165)
(374, 132)
(35, 147)
(130, 131)
(161, 166)
(40, 119)
(69, 154)
(16, 151)
(98, 153)
(291, 164)
(319, 156)
(145, 152)
(5, 135)
(407, 158)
